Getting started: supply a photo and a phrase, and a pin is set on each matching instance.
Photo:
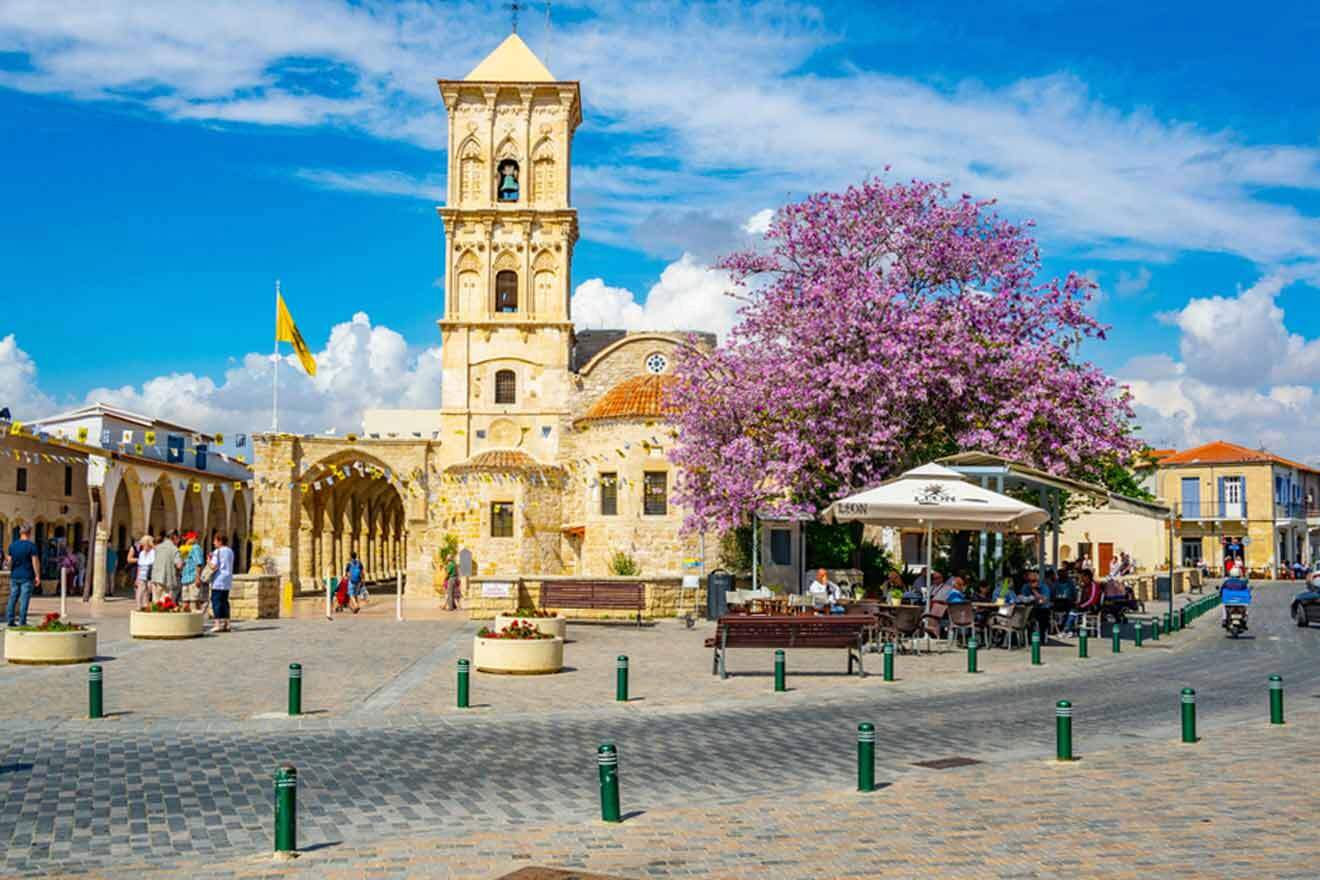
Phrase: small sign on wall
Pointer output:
(496, 590)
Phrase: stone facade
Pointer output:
(665, 597)
(548, 454)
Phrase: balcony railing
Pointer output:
(1296, 510)
(1212, 510)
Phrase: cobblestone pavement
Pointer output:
(1163, 809)
(142, 790)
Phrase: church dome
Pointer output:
(498, 459)
(638, 397)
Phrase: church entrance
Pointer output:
(350, 508)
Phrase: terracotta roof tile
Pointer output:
(499, 459)
(1223, 452)
(638, 397)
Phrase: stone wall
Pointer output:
(664, 598)
(254, 596)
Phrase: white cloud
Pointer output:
(360, 366)
(18, 382)
(1046, 147)
(385, 183)
(688, 296)
(1242, 376)
(1132, 283)
(759, 223)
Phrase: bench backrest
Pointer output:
(592, 594)
(837, 631)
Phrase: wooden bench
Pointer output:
(848, 631)
(605, 595)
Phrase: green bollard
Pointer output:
(779, 671)
(1137, 641)
(94, 705)
(866, 756)
(889, 661)
(607, 757)
(1276, 699)
(1188, 715)
(1063, 750)
(621, 679)
(1155, 630)
(1168, 623)
(295, 689)
(971, 654)
(1116, 638)
(286, 809)
(464, 683)
(1182, 618)
(1035, 648)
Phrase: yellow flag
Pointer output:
(287, 331)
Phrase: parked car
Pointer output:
(1306, 605)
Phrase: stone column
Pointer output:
(96, 559)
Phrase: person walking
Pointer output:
(24, 576)
(356, 589)
(165, 569)
(190, 576)
(143, 555)
(222, 563)
(81, 582)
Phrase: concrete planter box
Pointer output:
(165, 624)
(518, 656)
(551, 626)
(50, 648)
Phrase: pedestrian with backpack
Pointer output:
(356, 587)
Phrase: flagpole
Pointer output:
(275, 392)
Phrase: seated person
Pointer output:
(1042, 598)
(982, 592)
(894, 587)
(824, 590)
(1064, 590)
(949, 592)
(1089, 597)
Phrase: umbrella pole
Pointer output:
(930, 562)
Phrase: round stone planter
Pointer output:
(518, 656)
(165, 624)
(551, 626)
(50, 648)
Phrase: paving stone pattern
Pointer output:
(133, 791)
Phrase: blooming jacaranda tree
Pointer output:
(881, 327)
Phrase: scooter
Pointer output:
(1235, 619)
(1235, 598)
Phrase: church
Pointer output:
(548, 455)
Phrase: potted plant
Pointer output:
(551, 623)
(53, 641)
(517, 649)
(623, 565)
(165, 619)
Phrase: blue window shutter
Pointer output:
(1221, 497)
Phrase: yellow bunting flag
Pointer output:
(16, 428)
(82, 435)
(287, 331)
(151, 438)
(220, 439)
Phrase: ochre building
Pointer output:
(548, 456)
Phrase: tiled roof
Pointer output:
(499, 459)
(638, 397)
(1222, 452)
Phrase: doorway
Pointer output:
(1104, 559)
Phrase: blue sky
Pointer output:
(165, 163)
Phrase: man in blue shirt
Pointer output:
(24, 576)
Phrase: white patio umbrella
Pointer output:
(933, 496)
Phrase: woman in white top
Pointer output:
(144, 557)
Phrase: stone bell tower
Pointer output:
(509, 236)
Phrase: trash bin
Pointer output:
(718, 582)
(1162, 587)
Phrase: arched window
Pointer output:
(506, 291)
(506, 387)
(508, 174)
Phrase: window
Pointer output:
(1191, 552)
(655, 493)
(68, 479)
(508, 188)
(22, 480)
(656, 363)
(609, 494)
(501, 519)
(506, 386)
(781, 546)
(506, 291)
